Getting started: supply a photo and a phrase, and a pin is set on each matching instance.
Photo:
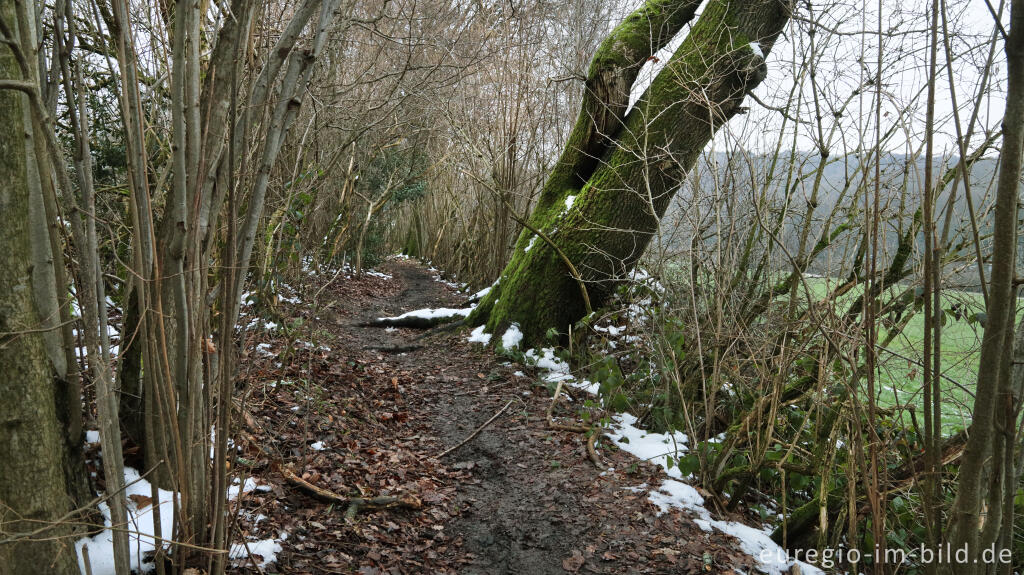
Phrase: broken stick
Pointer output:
(354, 504)
(478, 430)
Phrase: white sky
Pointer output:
(846, 59)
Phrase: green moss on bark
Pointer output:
(612, 72)
(622, 192)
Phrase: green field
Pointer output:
(901, 378)
(900, 374)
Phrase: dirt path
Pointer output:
(514, 513)
(518, 498)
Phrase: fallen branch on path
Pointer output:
(477, 432)
(353, 504)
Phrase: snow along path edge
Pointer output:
(673, 492)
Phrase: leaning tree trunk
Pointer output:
(602, 203)
(32, 486)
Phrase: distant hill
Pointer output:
(843, 181)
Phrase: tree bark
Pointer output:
(987, 472)
(32, 484)
(620, 170)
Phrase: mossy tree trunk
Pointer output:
(603, 200)
(32, 483)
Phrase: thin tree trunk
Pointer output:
(983, 469)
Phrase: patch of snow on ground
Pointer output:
(246, 486)
(512, 337)
(557, 369)
(569, 201)
(429, 313)
(529, 246)
(265, 551)
(92, 436)
(656, 447)
(437, 277)
(673, 492)
(641, 276)
(318, 446)
(378, 274)
(140, 526)
(479, 336)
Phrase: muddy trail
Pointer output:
(365, 411)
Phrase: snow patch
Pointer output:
(569, 201)
(141, 524)
(239, 487)
(512, 337)
(529, 246)
(558, 370)
(140, 527)
(611, 330)
(428, 313)
(264, 551)
(756, 49)
(479, 336)
(318, 446)
(655, 447)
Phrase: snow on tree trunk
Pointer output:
(603, 201)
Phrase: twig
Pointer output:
(316, 492)
(354, 504)
(478, 430)
(551, 418)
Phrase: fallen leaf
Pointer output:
(573, 562)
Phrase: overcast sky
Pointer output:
(846, 44)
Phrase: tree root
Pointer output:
(353, 504)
